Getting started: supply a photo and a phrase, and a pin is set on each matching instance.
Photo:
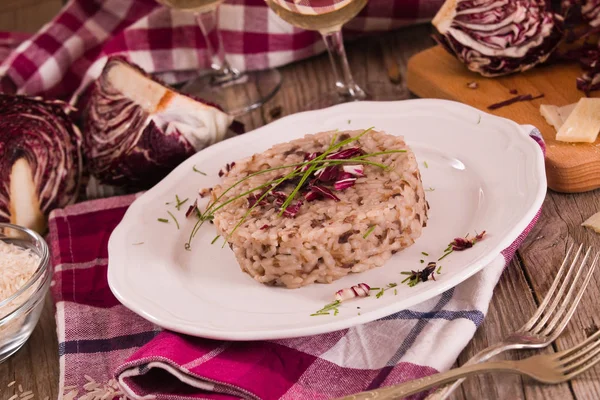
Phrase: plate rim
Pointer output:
(442, 286)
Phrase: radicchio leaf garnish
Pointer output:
(327, 174)
(344, 183)
(323, 191)
(414, 277)
(355, 170)
(345, 154)
(293, 209)
(460, 244)
(360, 290)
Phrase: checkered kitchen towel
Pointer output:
(70, 51)
(100, 338)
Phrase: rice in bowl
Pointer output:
(383, 213)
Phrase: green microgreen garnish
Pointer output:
(422, 261)
(198, 171)
(349, 121)
(138, 243)
(425, 164)
(303, 170)
(163, 220)
(179, 202)
(215, 239)
(395, 292)
(371, 229)
(329, 307)
(430, 189)
(382, 290)
(425, 254)
(439, 270)
(446, 254)
(174, 219)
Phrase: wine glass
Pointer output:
(235, 91)
(327, 17)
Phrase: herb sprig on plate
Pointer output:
(301, 172)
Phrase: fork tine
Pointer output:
(557, 297)
(581, 370)
(580, 358)
(569, 352)
(560, 320)
(551, 291)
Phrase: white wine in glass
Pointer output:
(236, 92)
(327, 17)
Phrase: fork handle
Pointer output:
(418, 385)
(443, 392)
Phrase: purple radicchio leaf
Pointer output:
(325, 192)
(497, 38)
(355, 170)
(327, 174)
(293, 209)
(40, 157)
(344, 154)
(138, 130)
(343, 184)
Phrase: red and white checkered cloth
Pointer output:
(101, 338)
(70, 51)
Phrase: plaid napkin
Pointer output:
(70, 51)
(104, 348)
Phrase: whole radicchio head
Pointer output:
(498, 37)
(137, 129)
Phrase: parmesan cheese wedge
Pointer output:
(593, 222)
(583, 124)
(556, 116)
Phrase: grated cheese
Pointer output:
(17, 266)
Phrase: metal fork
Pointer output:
(548, 368)
(549, 320)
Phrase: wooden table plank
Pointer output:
(512, 305)
(373, 61)
(542, 254)
(27, 15)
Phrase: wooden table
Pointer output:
(382, 60)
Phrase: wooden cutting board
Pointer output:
(570, 168)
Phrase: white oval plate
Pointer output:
(485, 173)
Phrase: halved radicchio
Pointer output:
(498, 37)
(40, 159)
(137, 130)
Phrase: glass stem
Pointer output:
(344, 82)
(208, 22)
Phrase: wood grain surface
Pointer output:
(570, 167)
(380, 62)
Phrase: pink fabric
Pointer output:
(101, 337)
(70, 51)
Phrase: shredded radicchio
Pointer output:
(460, 244)
(345, 154)
(360, 290)
(293, 209)
(522, 97)
(421, 275)
(191, 209)
(322, 186)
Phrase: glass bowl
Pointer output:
(20, 312)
